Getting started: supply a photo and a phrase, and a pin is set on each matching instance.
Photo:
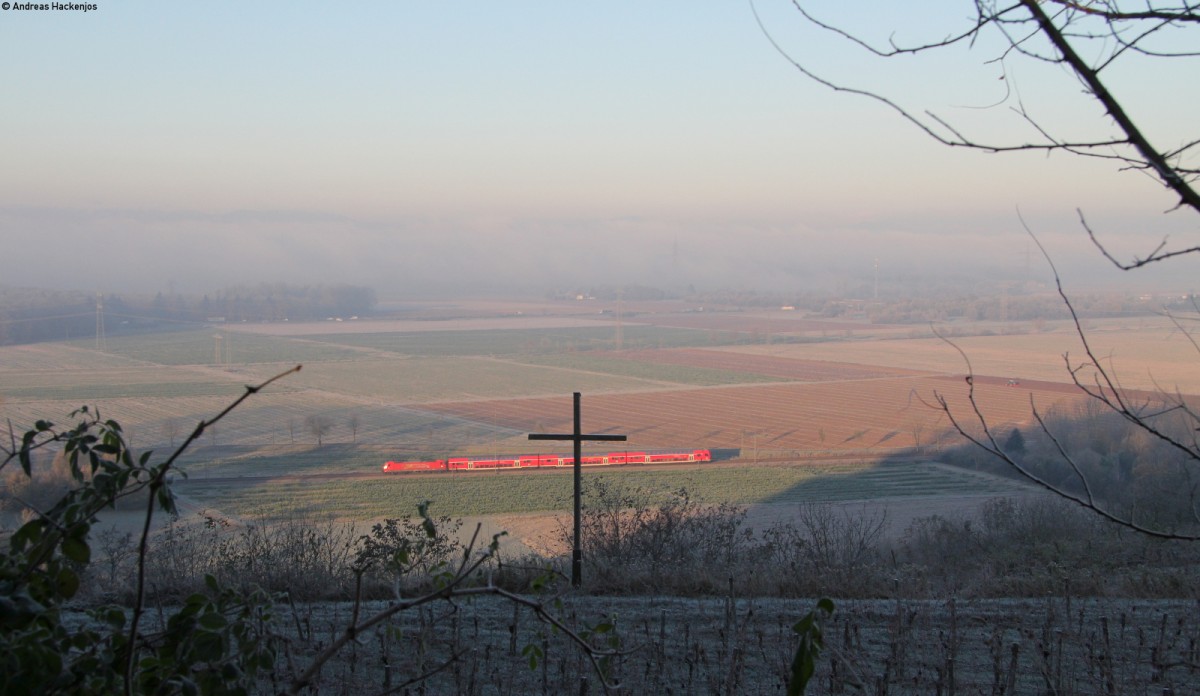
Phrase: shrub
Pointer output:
(635, 539)
(826, 549)
(405, 555)
(224, 638)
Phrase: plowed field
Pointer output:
(873, 415)
(783, 368)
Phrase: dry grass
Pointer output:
(1145, 353)
(41, 358)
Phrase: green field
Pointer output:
(159, 384)
(370, 388)
(303, 459)
(431, 379)
(528, 341)
(199, 347)
(496, 492)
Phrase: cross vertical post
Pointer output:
(577, 437)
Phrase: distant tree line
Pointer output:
(635, 292)
(996, 304)
(278, 302)
(29, 315)
(1009, 307)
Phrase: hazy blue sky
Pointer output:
(402, 144)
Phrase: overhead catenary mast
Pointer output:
(101, 342)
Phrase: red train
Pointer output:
(525, 461)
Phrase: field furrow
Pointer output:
(877, 414)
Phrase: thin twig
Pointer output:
(155, 485)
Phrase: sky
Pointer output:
(525, 146)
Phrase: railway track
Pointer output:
(842, 458)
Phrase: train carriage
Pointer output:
(544, 460)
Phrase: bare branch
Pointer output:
(1062, 452)
(894, 49)
(1153, 257)
(1059, 23)
(1188, 196)
(989, 444)
(1085, 38)
(1105, 389)
(155, 485)
(1186, 12)
(453, 588)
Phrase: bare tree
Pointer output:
(319, 425)
(354, 423)
(1090, 41)
(171, 429)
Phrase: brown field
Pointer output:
(1145, 353)
(790, 369)
(878, 416)
(846, 396)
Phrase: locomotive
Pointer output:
(526, 461)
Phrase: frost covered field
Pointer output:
(735, 645)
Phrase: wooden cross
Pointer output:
(577, 437)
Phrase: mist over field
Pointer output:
(195, 253)
(836, 288)
(420, 151)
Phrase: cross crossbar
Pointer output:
(572, 436)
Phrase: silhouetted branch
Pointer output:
(989, 444)
(453, 587)
(1153, 257)
(1047, 31)
(161, 496)
(1188, 196)
(1103, 388)
(1085, 38)
(1184, 12)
